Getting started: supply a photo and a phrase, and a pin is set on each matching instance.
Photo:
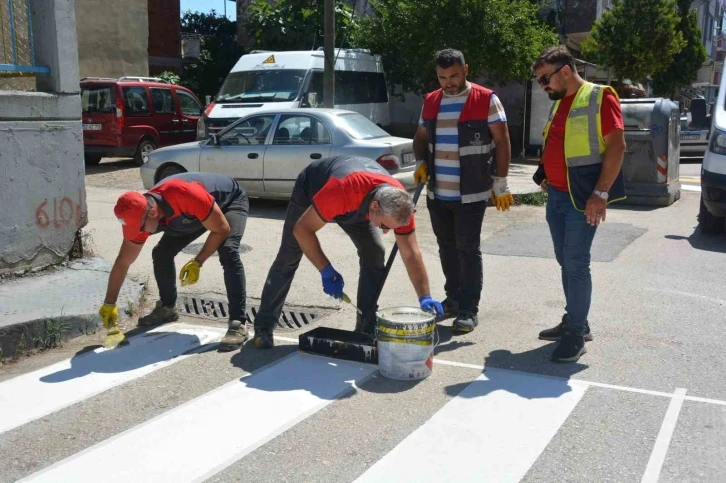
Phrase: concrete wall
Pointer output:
(113, 37)
(42, 188)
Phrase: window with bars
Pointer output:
(17, 55)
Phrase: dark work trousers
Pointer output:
(234, 273)
(371, 253)
(457, 227)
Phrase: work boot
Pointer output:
(555, 333)
(263, 339)
(570, 348)
(160, 315)
(465, 322)
(236, 335)
(451, 308)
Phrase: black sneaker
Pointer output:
(570, 348)
(555, 333)
(263, 339)
(465, 322)
(236, 335)
(451, 308)
(160, 315)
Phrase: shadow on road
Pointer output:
(268, 209)
(111, 165)
(700, 241)
(507, 371)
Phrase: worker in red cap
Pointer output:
(183, 207)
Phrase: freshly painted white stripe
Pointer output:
(705, 400)
(687, 187)
(495, 429)
(458, 364)
(36, 394)
(660, 449)
(202, 437)
(447, 131)
(595, 384)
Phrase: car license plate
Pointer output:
(685, 137)
(408, 158)
(91, 127)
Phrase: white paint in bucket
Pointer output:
(405, 338)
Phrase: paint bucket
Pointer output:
(405, 337)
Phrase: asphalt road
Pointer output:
(646, 403)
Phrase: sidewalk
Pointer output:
(40, 310)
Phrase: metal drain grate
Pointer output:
(218, 309)
(194, 248)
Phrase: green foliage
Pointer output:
(636, 39)
(501, 37)
(534, 199)
(219, 51)
(170, 77)
(297, 24)
(683, 70)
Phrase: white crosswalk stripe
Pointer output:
(202, 437)
(42, 392)
(500, 424)
(496, 428)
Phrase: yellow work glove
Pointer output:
(189, 274)
(109, 315)
(421, 175)
(503, 199)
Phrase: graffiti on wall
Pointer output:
(59, 212)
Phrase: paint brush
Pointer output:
(347, 300)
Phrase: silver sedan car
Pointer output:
(266, 151)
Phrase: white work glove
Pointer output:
(503, 198)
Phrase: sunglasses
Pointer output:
(545, 79)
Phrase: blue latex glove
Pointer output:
(430, 305)
(332, 282)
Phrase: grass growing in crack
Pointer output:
(532, 199)
(52, 336)
(21, 347)
(131, 308)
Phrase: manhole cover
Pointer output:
(218, 309)
(194, 248)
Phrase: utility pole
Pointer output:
(329, 51)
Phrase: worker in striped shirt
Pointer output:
(463, 152)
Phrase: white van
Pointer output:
(265, 80)
(713, 171)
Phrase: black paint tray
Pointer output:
(340, 344)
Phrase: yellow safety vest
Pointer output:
(584, 143)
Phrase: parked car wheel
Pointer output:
(170, 171)
(92, 160)
(145, 147)
(709, 223)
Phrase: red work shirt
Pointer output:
(342, 199)
(554, 152)
(189, 202)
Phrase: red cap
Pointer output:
(130, 209)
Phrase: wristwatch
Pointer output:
(601, 194)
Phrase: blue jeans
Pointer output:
(572, 238)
